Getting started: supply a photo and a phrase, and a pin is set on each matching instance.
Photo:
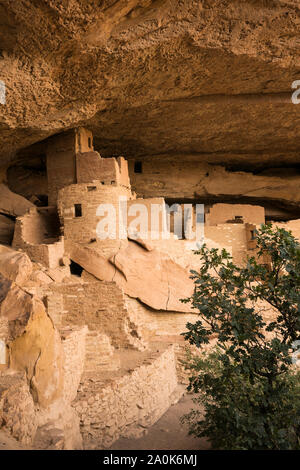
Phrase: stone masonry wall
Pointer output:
(100, 354)
(221, 213)
(99, 305)
(169, 178)
(82, 229)
(48, 254)
(125, 406)
(232, 235)
(61, 162)
(74, 345)
(90, 166)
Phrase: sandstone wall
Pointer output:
(90, 166)
(184, 178)
(222, 213)
(293, 225)
(168, 178)
(61, 159)
(32, 235)
(99, 305)
(125, 406)
(100, 355)
(154, 324)
(233, 235)
(74, 350)
(82, 229)
(151, 214)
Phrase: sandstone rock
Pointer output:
(166, 281)
(58, 274)
(15, 266)
(241, 184)
(15, 308)
(17, 412)
(133, 268)
(92, 261)
(13, 204)
(48, 437)
(58, 428)
(39, 278)
(34, 344)
(154, 77)
(144, 243)
(39, 352)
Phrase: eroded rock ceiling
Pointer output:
(205, 77)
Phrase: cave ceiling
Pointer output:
(209, 79)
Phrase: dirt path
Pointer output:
(167, 434)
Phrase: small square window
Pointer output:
(78, 210)
(138, 168)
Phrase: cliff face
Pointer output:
(153, 77)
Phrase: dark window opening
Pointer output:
(253, 237)
(75, 269)
(90, 142)
(78, 210)
(238, 217)
(138, 168)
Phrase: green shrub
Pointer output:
(248, 385)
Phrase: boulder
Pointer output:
(133, 268)
(17, 412)
(15, 308)
(38, 351)
(13, 204)
(167, 282)
(15, 266)
(34, 344)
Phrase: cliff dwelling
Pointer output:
(115, 148)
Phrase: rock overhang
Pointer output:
(152, 77)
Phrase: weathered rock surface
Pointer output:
(34, 344)
(15, 308)
(184, 178)
(39, 352)
(17, 412)
(153, 278)
(43, 373)
(153, 77)
(15, 266)
(133, 268)
(240, 184)
(11, 203)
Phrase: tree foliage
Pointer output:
(248, 384)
